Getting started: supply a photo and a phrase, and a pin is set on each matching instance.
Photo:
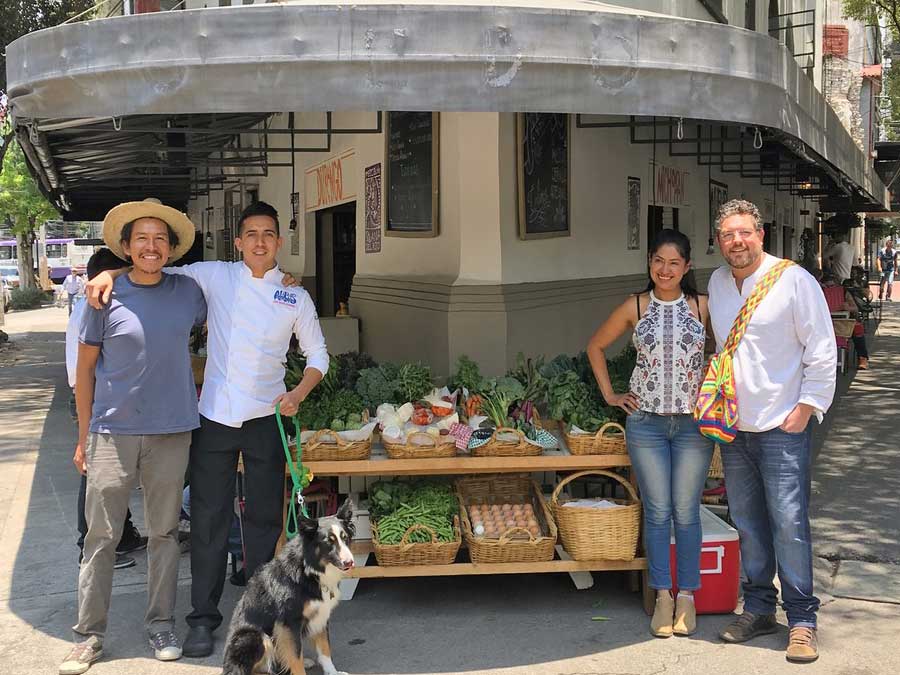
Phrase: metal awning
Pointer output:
(575, 57)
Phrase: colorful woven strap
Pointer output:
(762, 288)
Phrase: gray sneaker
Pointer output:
(748, 626)
(165, 646)
(81, 657)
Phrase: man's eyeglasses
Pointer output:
(729, 237)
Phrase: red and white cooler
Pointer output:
(720, 566)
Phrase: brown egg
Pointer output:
(534, 530)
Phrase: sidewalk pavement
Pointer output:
(509, 625)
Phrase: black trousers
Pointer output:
(213, 469)
(82, 521)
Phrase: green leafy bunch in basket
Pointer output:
(397, 506)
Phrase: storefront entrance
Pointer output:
(335, 256)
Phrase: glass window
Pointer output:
(56, 250)
(7, 252)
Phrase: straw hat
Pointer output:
(122, 214)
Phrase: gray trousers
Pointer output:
(115, 462)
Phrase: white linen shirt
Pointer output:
(72, 329)
(250, 324)
(788, 354)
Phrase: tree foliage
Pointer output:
(18, 18)
(22, 208)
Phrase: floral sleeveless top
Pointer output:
(669, 341)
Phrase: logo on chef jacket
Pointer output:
(285, 298)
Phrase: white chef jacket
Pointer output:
(788, 354)
(250, 324)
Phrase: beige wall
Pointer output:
(477, 288)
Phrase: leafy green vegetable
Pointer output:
(323, 412)
(467, 376)
(413, 382)
(558, 365)
(501, 393)
(349, 365)
(528, 373)
(377, 385)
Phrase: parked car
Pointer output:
(10, 276)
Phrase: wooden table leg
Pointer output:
(649, 595)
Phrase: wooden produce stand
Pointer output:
(551, 460)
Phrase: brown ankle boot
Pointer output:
(661, 623)
(685, 616)
(803, 645)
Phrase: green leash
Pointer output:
(300, 476)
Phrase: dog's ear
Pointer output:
(345, 515)
(308, 526)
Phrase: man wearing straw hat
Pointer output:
(136, 407)
(251, 319)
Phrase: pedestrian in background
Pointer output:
(886, 262)
(73, 285)
(784, 373)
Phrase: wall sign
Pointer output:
(670, 186)
(331, 182)
(718, 195)
(373, 208)
(633, 197)
(542, 154)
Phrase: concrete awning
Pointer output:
(576, 57)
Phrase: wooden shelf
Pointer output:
(462, 569)
(380, 465)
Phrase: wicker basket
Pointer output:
(716, 468)
(516, 544)
(501, 445)
(405, 553)
(598, 534)
(326, 445)
(609, 440)
(441, 447)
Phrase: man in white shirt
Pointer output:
(73, 284)
(842, 254)
(784, 370)
(251, 317)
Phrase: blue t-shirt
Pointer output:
(887, 259)
(144, 380)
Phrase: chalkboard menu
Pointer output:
(412, 152)
(543, 168)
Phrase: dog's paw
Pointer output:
(334, 672)
(309, 663)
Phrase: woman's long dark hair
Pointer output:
(683, 244)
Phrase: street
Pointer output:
(515, 624)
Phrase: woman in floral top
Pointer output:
(670, 456)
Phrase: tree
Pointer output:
(18, 18)
(23, 208)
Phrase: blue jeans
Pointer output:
(671, 458)
(767, 476)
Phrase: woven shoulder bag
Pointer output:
(717, 406)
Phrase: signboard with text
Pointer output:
(331, 182)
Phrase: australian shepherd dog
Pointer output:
(288, 601)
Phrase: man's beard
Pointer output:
(749, 256)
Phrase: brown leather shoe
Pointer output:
(661, 623)
(748, 626)
(803, 645)
(685, 616)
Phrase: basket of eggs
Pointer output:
(505, 519)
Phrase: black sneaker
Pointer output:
(748, 626)
(122, 561)
(131, 541)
